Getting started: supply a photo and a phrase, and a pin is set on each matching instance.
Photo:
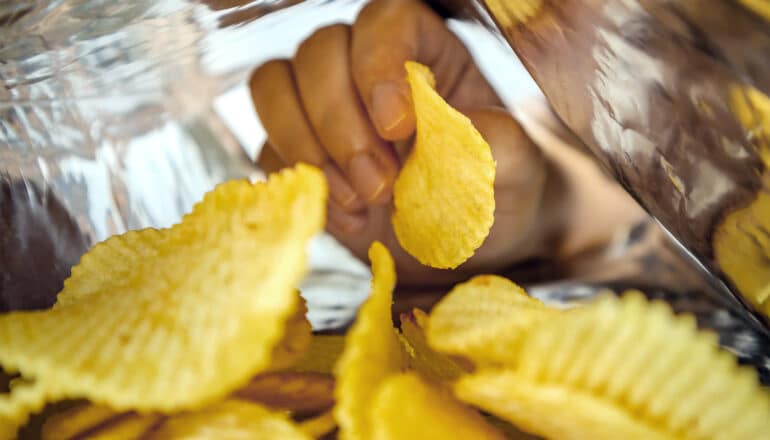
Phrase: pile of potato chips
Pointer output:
(197, 331)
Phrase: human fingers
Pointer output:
(386, 34)
(289, 132)
(322, 70)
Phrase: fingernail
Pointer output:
(341, 191)
(346, 223)
(389, 106)
(368, 178)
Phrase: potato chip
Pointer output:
(422, 358)
(320, 425)
(298, 393)
(759, 7)
(372, 351)
(741, 242)
(623, 368)
(321, 355)
(77, 421)
(25, 398)
(443, 198)
(485, 320)
(296, 338)
(408, 407)
(125, 427)
(176, 318)
(231, 419)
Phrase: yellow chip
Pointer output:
(298, 393)
(296, 339)
(408, 407)
(126, 427)
(231, 419)
(444, 196)
(422, 358)
(73, 422)
(24, 399)
(372, 351)
(176, 318)
(321, 355)
(484, 320)
(623, 369)
(319, 426)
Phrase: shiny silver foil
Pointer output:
(120, 115)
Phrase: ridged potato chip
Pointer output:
(296, 340)
(372, 351)
(444, 201)
(24, 398)
(176, 318)
(484, 320)
(623, 368)
(306, 396)
(298, 393)
(321, 355)
(76, 421)
(230, 419)
(319, 426)
(92, 422)
(408, 407)
(422, 358)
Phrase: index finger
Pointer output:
(386, 34)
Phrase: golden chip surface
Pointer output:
(176, 318)
(230, 419)
(423, 359)
(372, 351)
(407, 406)
(623, 368)
(485, 320)
(444, 201)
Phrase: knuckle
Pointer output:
(323, 35)
(267, 71)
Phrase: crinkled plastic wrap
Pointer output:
(672, 97)
(120, 115)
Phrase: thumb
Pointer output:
(386, 34)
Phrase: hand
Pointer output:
(343, 104)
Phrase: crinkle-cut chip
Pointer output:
(422, 358)
(15, 407)
(623, 368)
(484, 320)
(176, 318)
(444, 196)
(372, 351)
(321, 355)
(78, 421)
(301, 394)
(130, 426)
(230, 419)
(407, 406)
(759, 7)
(296, 339)
(551, 412)
(319, 426)
(298, 393)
